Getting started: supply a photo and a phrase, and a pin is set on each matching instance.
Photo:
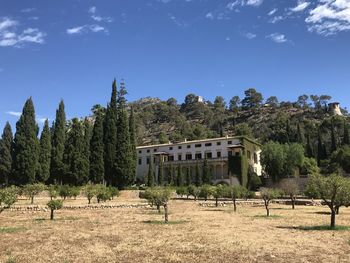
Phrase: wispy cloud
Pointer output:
(177, 21)
(276, 19)
(14, 113)
(273, 11)
(28, 10)
(11, 36)
(98, 18)
(277, 38)
(250, 35)
(301, 6)
(329, 17)
(39, 118)
(232, 5)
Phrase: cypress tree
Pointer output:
(110, 138)
(300, 135)
(309, 147)
(333, 138)
(171, 175)
(288, 132)
(150, 175)
(26, 146)
(198, 177)
(6, 152)
(188, 176)
(206, 172)
(76, 163)
(321, 154)
(132, 132)
(346, 139)
(45, 154)
(160, 174)
(124, 156)
(179, 177)
(87, 139)
(97, 151)
(58, 142)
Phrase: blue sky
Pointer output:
(72, 49)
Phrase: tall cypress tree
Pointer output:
(198, 177)
(58, 142)
(150, 175)
(346, 138)
(75, 161)
(124, 156)
(110, 138)
(188, 176)
(179, 177)
(6, 152)
(160, 174)
(132, 131)
(333, 138)
(26, 146)
(97, 151)
(87, 137)
(45, 154)
(206, 172)
(309, 147)
(321, 151)
(300, 135)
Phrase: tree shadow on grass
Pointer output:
(316, 228)
(162, 222)
(268, 217)
(12, 229)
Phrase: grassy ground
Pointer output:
(195, 234)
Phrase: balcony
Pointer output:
(194, 161)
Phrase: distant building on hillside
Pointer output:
(334, 108)
(200, 99)
(189, 154)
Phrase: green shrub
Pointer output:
(54, 205)
(31, 190)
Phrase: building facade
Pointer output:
(189, 154)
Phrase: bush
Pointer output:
(181, 191)
(54, 205)
(206, 191)
(102, 193)
(113, 191)
(52, 191)
(64, 191)
(75, 191)
(8, 197)
(194, 191)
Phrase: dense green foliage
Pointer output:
(6, 147)
(54, 205)
(45, 154)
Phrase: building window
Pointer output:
(249, 155)
(189, 146)
(170, 148)
(255, 158)
(171, 158)
(179, 147)
(198, 156)
(189, 156)
(198, 145)
(140, 151)
(179, 157)
(218, 143)
(229, 153)
(237, 153)
(148, 160)
(218, 154)
(208, 144)
(140, 161)
(148, 151)
(155, 150)
(229, 142)
(208, 155)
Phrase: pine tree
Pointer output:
(97, 151)
(74, 158)
(26, 146)
(333, 138)
(309, 147)
(346, 138)
(206, 172)
(132, 131)
(58, 142)
(124, 156)
(6, 152)
(160, 174)
(179, 177)
(188, 176)
(110, 138)
(45, 154)
(150, 175)
(198, 177)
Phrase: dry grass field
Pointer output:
(195, 234)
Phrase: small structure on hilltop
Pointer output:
(334, 109)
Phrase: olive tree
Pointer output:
(54, 205)
(234, 192)
(102, 193)
(334, 190)
(268, 194)
(8, 196)
(52, 191)
(89, 191)
(291, 189)
(218, 192)
(206, 191)
(64, 191)
(160, 197)
(194, 191)
(31, 190)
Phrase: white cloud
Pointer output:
(302, 5)
(276, 19)
(278, 38)
(210, 16)
(329, 17)
(250, 35)
(85, 29)
(97, 28)
(92, 10)
(232, 5)
(28, 10)
(14, 113)
(98, 18)
(75, 30)
(272, 11)
(9, 35)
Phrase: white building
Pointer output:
(189, 154)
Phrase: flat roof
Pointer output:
(199, 141)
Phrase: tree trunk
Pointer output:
(333, 218)
(293, 202)
(32, 200)
(51, 216)
(166, 213)
(216, 202)
(158, 208)
(267, 208)
(89, 201)
(234, 204)
(337, 210)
